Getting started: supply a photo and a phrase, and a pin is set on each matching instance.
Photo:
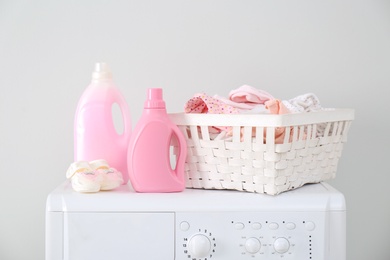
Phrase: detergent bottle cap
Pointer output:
(155, 99)
(101, 72)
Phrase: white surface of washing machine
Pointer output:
(308, 223)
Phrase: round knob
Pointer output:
(199, 246)
(281, 245)
(252, 245)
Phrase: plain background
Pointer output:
(339, 50)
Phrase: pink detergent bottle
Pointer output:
(95, 135)
(149, 157)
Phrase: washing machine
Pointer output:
(308, 223)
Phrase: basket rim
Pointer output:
(264, 120)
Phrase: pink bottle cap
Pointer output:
(155, 98)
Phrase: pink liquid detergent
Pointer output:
(149, 158)
(95, 135)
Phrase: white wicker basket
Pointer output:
(250, 160)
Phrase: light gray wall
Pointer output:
(338, 50)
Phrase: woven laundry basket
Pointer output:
(249, 158)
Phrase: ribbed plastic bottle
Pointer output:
(149, 156)
(95, 135)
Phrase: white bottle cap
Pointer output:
(101, 72)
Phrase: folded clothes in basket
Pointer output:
(247, 99)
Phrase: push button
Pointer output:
(290, 225)
(310, 226)
(239, 226)
(273, 226)
(256, 226)
(184, 226)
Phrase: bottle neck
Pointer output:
(101, 84)
(155, 111)
(101, 81)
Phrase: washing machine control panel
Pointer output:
(251, 235)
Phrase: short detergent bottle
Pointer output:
(149, 156)
(95, 135)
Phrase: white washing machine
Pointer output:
(308, 223)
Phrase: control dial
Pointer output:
(252, 245)
(281, 245)
(199, 246)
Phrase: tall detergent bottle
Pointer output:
(95, 134)
(149, 156)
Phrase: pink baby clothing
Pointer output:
(249, 95)
(247, 99)
(276, 107)
(202, 103)
(243, 98)
(245, 95)
(240, 106)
